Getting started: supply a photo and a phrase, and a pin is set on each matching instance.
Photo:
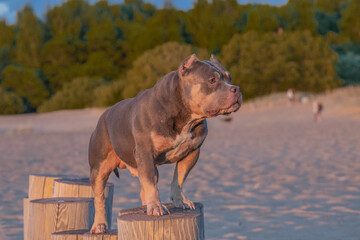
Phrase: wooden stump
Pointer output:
(41, 186)
(81, 187)
(112, 235)
(83, 235)
(78, 187)
(58, 214)
(69, 235)
(26, 216)
(180, 224)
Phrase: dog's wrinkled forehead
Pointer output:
(214, 68)
(215, 65)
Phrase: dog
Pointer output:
(161, 125)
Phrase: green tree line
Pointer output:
(84, 55)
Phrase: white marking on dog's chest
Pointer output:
(161, 143)
(183, 144)
(182, 138)
(179, 147)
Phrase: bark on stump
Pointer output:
(180, 224)
(81, 187)
(58, 214)
(83, 234)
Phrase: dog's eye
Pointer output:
(212, 80)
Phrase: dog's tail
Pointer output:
(116, 171)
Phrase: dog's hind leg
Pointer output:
(98, 178)
(102, 161)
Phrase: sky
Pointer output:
(8, 8)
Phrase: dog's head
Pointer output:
(207, 88)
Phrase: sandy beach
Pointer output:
(271, 173)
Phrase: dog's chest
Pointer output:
(182, 145)
(168, 150)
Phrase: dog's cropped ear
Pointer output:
(212, 58)
(187, 64)
(217, 64)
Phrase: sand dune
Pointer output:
(271, 173)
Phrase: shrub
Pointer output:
(154, 64)
(109, 94)
(10, 103)
(99, 64)
(78, 93)
(264, 63)
(348, 68)
(25, 83)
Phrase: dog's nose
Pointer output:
(234, 89)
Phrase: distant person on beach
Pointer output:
(291, 95)
(317, 109)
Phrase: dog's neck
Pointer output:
(170, 96)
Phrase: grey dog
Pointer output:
(163, 124)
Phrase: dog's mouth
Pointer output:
(225, 111)
(212, 113)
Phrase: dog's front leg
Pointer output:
(182, 169)
(147, 177)
(142, 193)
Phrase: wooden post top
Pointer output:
(72, 232)
(61, 200)
(85, 232)
(139, 213)
(78, 181)
(109, 233)
(52, 175)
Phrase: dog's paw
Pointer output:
(98, 228)
(188, 204)
(180, 201)
(156, 209)
(183, 203)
